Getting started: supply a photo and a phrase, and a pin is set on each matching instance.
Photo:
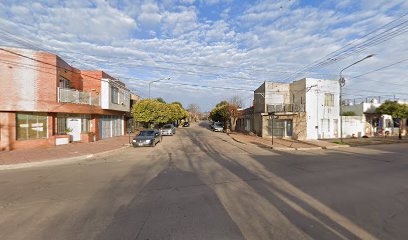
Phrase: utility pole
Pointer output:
(161, 79)
(342, 82)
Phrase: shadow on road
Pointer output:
(174, 205)
(304, 212)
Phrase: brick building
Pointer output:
(45, 101)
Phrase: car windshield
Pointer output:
(167, 126)
(146, 133)
(218, 125)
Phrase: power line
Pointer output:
(340, 54)
(169, 62)
(379, 69)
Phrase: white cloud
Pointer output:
(254, 42)
(150, 14)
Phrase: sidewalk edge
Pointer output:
(59, 161)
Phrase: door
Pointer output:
(336, 128)
(289, 128)
(74, 124)
(325, 128)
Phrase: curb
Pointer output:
(236, 140)
(283, 149)
(335, 147)
(307, 149)
(60, 161)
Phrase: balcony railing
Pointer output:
(285, 108)
(77, 97)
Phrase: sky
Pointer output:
(213, 50)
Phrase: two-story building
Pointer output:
(304, 109)
(45, 101)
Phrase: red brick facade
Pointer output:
(29, 83)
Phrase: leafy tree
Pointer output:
(160, 100)
(396, 110)
(220, 113)
(348, 113)
(221, 103)
(178, 103)
(148, 111)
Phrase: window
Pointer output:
(31, 126)
(329, 100)
(61, 124)
(64, 83)
(114, 94)
(85, 126)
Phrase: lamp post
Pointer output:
(342, 82)
(161, 79)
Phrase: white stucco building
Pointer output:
(304, 109)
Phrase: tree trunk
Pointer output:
(400, 131)
(233, 123)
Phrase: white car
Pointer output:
(168, 130)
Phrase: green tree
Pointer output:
(221, 103)
(348, 113)
(220, 113)
(178, 103)
(160, 100)
(396, 110)
(148, 111)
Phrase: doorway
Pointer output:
(74, 124)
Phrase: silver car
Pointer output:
(168, 130)
(218, 127)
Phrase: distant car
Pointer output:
(168, 130)
(147, 138)
(186, 124)
(218, 127)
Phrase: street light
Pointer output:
(342, 82)
(161, 79)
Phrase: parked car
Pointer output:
(218, 127)
(168, 129)
(147, 138)
(186, 124)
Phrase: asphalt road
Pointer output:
(203, 185)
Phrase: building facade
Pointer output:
(367, 122)
(304, 109)
(45, 101)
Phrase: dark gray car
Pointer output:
(147, 138)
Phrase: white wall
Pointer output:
(106, 101)
(353, 125)
(276, 93)
(316, 111)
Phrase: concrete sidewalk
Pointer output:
(63, 151)
(369, 141)
(279, 143)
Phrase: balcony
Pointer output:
(77, 97)
(280, 108)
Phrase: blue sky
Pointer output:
(213, 43)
